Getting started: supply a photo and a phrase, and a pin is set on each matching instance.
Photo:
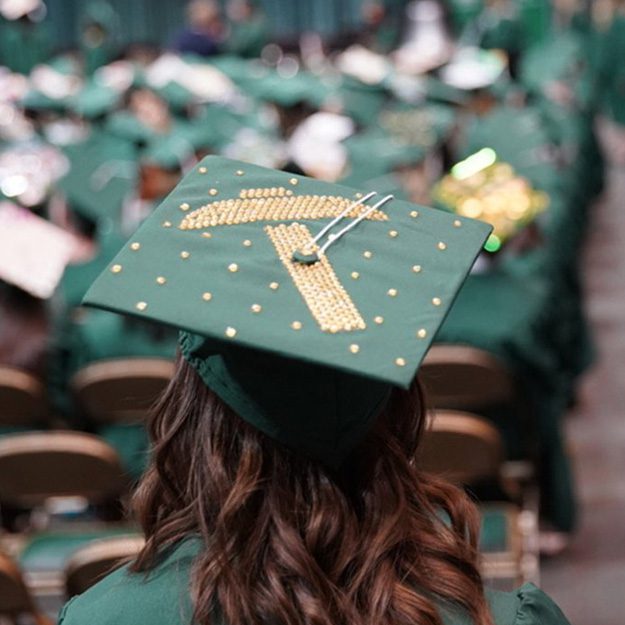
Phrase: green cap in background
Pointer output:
(360, 101)
(304, 345)
(559, 59)
(374, 153)
(126, 126)
(53, 85)
(172, 150)
(103, 172)
(520, 137)
(95, 100)
(270, 86)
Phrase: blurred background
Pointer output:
(510, 111)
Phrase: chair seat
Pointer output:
(499, 533)
(130, 441)
(501, 546)
(50, 551)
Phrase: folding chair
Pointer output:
(15, 598)
(460, 377)
(96, 559)
(121, 390)
(22, 399)
(38, 466)
(466, 449)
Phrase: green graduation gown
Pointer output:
(163, 597)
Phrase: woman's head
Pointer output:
(289, 541)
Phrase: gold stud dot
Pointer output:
(274, 286)
(184, 255)
(393, 234)
(355, 275)
(213, 192)
(400, 362)
(202, 170)
(167, 224)
(296, 325)
(247, 243)
(231, 333)
(367, 254)
(184, 206)
(442, 246)
(436, 301)
(141, 306)
(135, 246)
(116, 268)
(414, 214)
(293, 181)
(379, 320)
(240, 172)
(392, 292)
(358, 195)
(207, 297)
(233, 267)
(161, 280)
(422, 333)
(354, 349)
(416, 268)
(207, 235)
(256, 308)
(457, 223)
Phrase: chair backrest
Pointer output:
(461, 447)
(91, 563)
(37, 466)
(22, 398)
(15, 599)
(121, 390)
(465, 378)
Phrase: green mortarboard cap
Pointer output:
(520, 137)
(360, 101)
(95, 100)
(555, 60)
(387, 151)
(173, 149)
(176, 95)
(376, 153)
(37, 101)
(126, 125)
(102, 174)
(438, 91)
(305, 352)
(288, 91)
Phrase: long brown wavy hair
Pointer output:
(290, 542)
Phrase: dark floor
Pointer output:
(588, 580)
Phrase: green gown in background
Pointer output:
(248, 38)
(23, 45)
(124, 598)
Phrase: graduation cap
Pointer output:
(103, 172)
(389, 153)
(33, 252)
(301, 303)
(53, 85)
(172, 150)
(288, 91)
(95, 100)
